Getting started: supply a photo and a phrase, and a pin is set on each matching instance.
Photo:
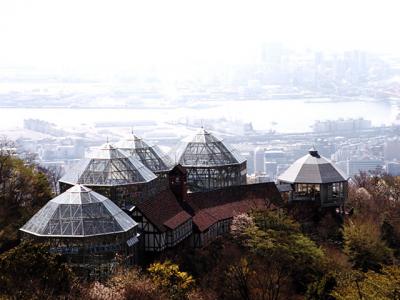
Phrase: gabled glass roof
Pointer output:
(108, 166)
(204, 149)
(151, 156)
(79, 212)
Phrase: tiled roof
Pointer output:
(210, 207)
(204, 218)
(177, 220)
(164, 211)
(266, 190)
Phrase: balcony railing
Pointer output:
(301, 196)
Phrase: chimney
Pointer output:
(178, 182)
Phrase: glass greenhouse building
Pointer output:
(150, 156)
(87, 228)
(114, 174)
(210, 163)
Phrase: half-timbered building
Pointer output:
(213, 211)
(162, 221)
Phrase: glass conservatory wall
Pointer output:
(201, 179)
(95, 257)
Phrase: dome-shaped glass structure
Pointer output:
(108, 166)
(315, 178)
(114, 174)
(86, 227)
(79, 212)
(210, 162)
(150, 156)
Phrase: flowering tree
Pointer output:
(169, 278)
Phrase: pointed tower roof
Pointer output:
(108, 166)
(79, 212)
(205, 149)
(313, 168)
(151, 156)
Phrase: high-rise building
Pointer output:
(271, 168)
(393, 168)
(391, 149)
(249, 156)
(354, 167)
(259, 160)
(341, 125)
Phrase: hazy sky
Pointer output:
(109, 34)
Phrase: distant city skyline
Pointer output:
(278, 75)
(109, 35)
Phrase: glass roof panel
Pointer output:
(204, 149)
(151, 156)
(79, 212)
(108, 166)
